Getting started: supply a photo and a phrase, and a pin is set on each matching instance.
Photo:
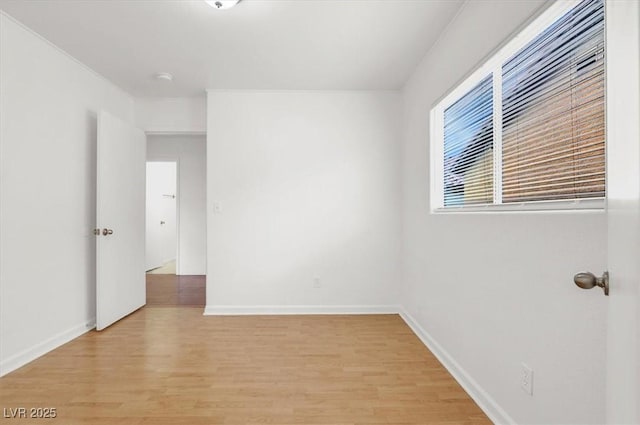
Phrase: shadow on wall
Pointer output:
(90, 197)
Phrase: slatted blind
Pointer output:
(553, 136)
(468, 147)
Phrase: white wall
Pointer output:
(307, 185)
(161, 228)
(495, 290)
(48, 113)
(171, 115)
(190, 152)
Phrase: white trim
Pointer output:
(467, 85)
(30, 354)
(492, 67)
(551, 206)
(178, 192)
(622, 38)
(488, 405)
(497, 59)
(243, 310)
(437, 159)
(497, 135)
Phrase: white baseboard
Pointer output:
(30, 354)
(239, 310)
(488, 405)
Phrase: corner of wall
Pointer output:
(37, 350)
(486, 403)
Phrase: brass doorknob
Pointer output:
(588, 280)
(106, 232)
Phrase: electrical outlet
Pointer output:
(526, 379)
(316, 282)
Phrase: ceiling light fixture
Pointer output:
(164, 76)
(222, 4)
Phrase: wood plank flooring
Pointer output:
(175, 366)
(170, 290)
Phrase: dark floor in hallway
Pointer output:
(165, 290)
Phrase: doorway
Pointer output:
(176, 220)
(161, 245)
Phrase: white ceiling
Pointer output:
(259, 44)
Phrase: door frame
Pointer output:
(623, 210)
(176, 158)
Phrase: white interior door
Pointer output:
(153, 250)
(623, 210)
(161, 233)
(120, 268)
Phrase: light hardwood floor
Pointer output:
(171, 365)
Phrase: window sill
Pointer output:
(586, 205)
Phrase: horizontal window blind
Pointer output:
(553, 135)
(468, 147)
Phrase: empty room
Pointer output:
(338, 212)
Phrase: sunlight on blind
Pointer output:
(468, 147)
(553, 143)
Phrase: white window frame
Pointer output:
(493, 66)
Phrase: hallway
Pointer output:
(164, 290)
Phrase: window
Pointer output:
(526, 130)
